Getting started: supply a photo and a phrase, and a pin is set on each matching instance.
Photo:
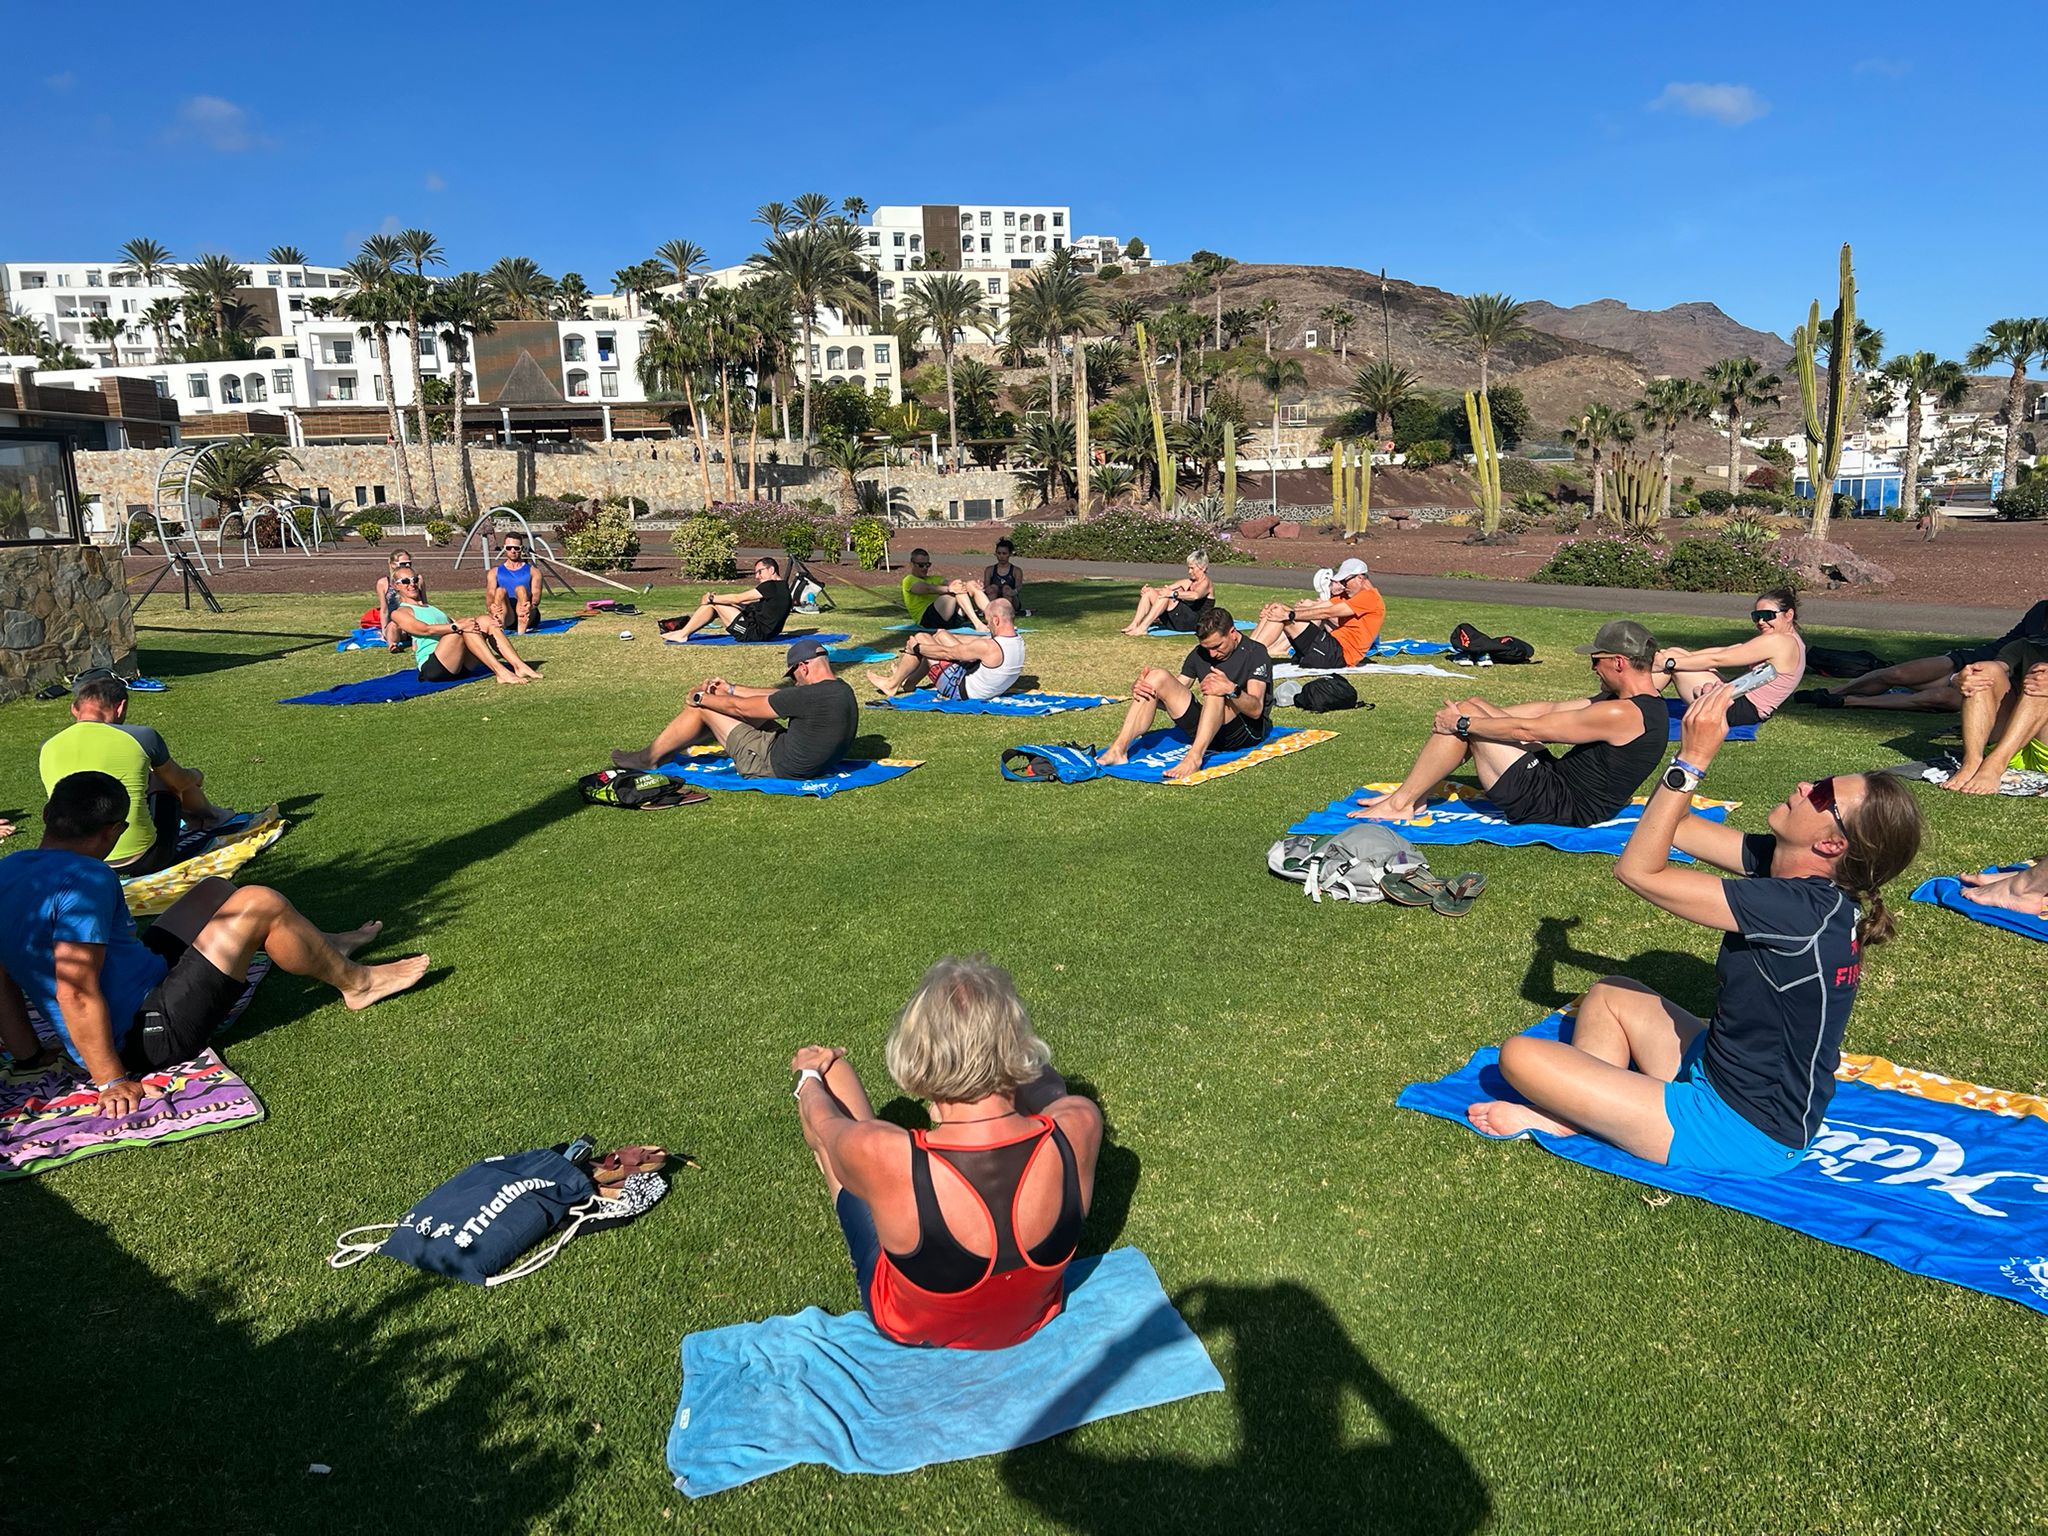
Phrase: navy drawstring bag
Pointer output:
(474, 1226)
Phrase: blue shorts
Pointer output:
(1709, 1135)
(863, 1247)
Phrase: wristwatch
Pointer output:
(1682, 776)
(1463, 729)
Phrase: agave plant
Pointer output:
(1207, 510)
(1112, 482)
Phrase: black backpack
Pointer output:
(1471, 643)
(1323, 694)
(1823, 662)
(632, 791)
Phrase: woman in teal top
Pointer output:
(444, 649)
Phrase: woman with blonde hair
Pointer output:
(960, 1235)
(397, 563)
(1178, 606)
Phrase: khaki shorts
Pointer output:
(747, 745)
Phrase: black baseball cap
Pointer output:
(801, 652)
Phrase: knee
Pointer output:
(261, 901)
(1517, 1055)
(1153, 677)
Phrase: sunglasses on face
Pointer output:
(1821, 796)
(1765, 615)
(401, 565)
(408, 581)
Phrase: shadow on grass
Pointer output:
(1296, 1380)
(1686, 979)
(165, 1413)
(169, 663)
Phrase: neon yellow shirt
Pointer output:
(92, 747)
(915, 602)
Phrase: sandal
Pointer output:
(1458, 894)
(610, 1172)
(1417, 888)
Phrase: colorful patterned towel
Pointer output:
(1156, 751)
(925, 701)
(1932, 1184)
(367, 637)
(1459, 813)
(1947, 891)
(709, 768)
(147, 895)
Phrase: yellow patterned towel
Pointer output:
(1265, 752)
(152, 894)
(1880, 1073)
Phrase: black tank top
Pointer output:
(1601, 777)
(996, 1175)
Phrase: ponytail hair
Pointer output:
(1884, 836)
(1785, 597)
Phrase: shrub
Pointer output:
(771, 525)
(1428, 452)
(543, 509)
(1567, 521)
(439, 531)
(1767, 477)
(1714, 499)
(800, 538)
(637, 505)
(1109, 272)
(1128, 534)
(2026, 501)
(1723, 563)
(1519, 477)
(870, 542)
(1601, 562)
(1690, 507)
(1749, 532)
(605, 542)
(372, 531)
(703, 546)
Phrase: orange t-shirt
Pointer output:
(1356, 634)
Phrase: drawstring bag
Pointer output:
(1063, 762)
(637, 791)
(474, 1226)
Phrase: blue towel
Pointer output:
(1479, 821)
(367, 637)
(853, 655)
(1947, 891)
(1677, 708)
(1938, 1189)
(714, 770)
(1156, 751)
(388, 689)
(787, 637)
(761, 1397)
(905, 629)
(1009, 704)
(1385, 647)
(1156, 633)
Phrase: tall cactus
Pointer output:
(1165, 460)
(1824, 433)
(1361, 487)
(1229, 472)
(1340, 511)
(1635, 490)
(1485, 463)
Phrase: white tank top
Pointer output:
(990, 681)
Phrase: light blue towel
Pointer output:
(388, 689)
(787, 637)
(717, 771)
(905, 629)
(1008, 704)
(1677, 708)
(1157, 633)
(1947, 891)
(1480, 821)
(761, 1397)
(367, 637)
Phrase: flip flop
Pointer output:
(1458, 894)
(1418, 888)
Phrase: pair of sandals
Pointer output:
(1419, 888)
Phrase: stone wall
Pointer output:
(63, 608)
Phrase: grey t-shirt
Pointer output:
(154, 747)
(823, 720)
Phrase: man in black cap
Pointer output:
(1615, 741)
(822, 712)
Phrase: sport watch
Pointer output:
(1463, 729)
(1682, 776)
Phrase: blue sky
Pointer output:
(1566, 153)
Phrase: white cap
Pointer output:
(1350, 568)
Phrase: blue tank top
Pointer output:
(510, 580)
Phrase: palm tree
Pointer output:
(855, 208)
(1238, 324)
(685, 258)
(1212, 269)
(1124, 314)
(1667, 405)
(1275, 374)
(522, 289)
(1049, 445)
(212, 282)
(1339, 320)
(466, 305)
(1180, 328)
(673, 348)
(1383, 388)
(415, 297)
(243, 469)
(1597, 426)
(946, 304)
(977, 385)
(776, 216)
(572, 297)
(286, 256)
(147, 259)
(1921, 374)
(850, 456)
(160, 317)
(1056, 302)
(1268, 312)
(1112, 482)
(812, 210)
(816, 268)
(1487, 321)
(1202, 441)
(1125, 425)
(1868, 353)
(377, 310)
(1109, 365)
(2015, 343)
(1740, 385)
(108, 330)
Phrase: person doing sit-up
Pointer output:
(1179, 605)
(2005, 717)
(1929, 683)
(960, 666)
(1335, 631)
(936, 605)
(755, 614)
(512, 587)
(822, 712)
(1744, 1092)
(1222, 700)
(1613, 739)
(443, 649)
(959, 1235)
(1777, 640)
(122, 1005)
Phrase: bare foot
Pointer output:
(1984, 781)
(633, 762)
(882, 685)
(2023, 890)
(1186, 768)
(1133, 633)
(382, 981)
(508, 677)
(1497, 1117)
(1382, 808)
(1113, 757)
(348, 943)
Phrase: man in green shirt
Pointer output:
(939, 605)
(162, 793)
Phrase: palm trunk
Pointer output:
(1599, 488)
(725, 425)
(1052, 375)
(1276, 453)
(419, 402)
(1382, 426)
(1734, 450)
(1180, 404)
(1344, 348)
(461, 382)
(697, 431)
(1911, 488)
(1219, 314)
(1482, 371)
(1081, 431)
(383, 335)
(808, 322)
(1670, 448)
(754, 435)
(2014, 391)
(952, 409)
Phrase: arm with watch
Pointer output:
(91, 1028)
(1667, 823)
(845, 1139)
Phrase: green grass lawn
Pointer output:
(1420, 1330)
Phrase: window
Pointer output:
(92, 280)
(858, 382)
(1294, 415)
(281, 383)
(196, 386)
(987, 218)
(377, 387)
(1055, 242)
(1058, 219)
(572, 349)
(291, 349)
(874, 239)
(341, 350)
(161, 382)
(607, 347)
(814, 355)
(916, 242)
(608, 383)
(1038, 221)
(427, 345)
(127, 306)
(896, 239)
(984, 245)
(276, 279)
(995, 285)
(1009, 245)
(881, 353)
(856, 357)
(579, 384)
(899, 263)
(888, 289)
(1010, 219)
(254, 385)
(377, 494)
(345, 387)
(35, 482)
(835, 357)
(362, 495)
(882, 382)
(230, 390)
(293, 280)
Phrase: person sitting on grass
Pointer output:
(1777, 640)
(1613, 740)
(512, 587)
(974, 666)
(1930, 683)
(822, 712)
(1744, 1092)
(936, 605)
(122, 1005)
(1003, 579)
(960, 1235)
(1178, 606)
(755, 614)
(444, 649)
(2015, 890)
(163, 794)
(397, 563)
(1222, 700)
(1332, 632)
(2005, 717)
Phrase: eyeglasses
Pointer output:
(1821, 796)
(1765, 615)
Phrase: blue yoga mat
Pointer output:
(1938, 1189)
(761, 1397)
(1384, 647)
(365, 637)
(387, 689)
(1947, 891)
(1156, 751)
(1157, 633)
(714, 770)
(1677, 708)
(786, 638)
(1480, 821)
(908, 629)
(927, 702)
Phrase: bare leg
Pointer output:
(494, 602)
(463, 652)
(1936, 698)
(905, 667)
(503, 643)
(256, 917)
(686, 730)
(2024, 717)
(2023, 890)
(1151, 603)
(1207, 724)
(1986, 688)
(1917, 673)
(1689, 684)
(1163, 686)
(705, 612)
(1439, 756)
(529, 605)
(193, 802)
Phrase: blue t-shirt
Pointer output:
(49, 896)
(1787, 977)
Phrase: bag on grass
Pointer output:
(1323, 694)
(1471, 643)
(805, 590)
(1060, 762)
(1347, 865)
(632, 791)
(1823, 662)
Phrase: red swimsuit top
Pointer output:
(943, 1295)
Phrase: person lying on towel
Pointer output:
(2016, 890)
(1613, 742)
(936, 605)
(1179, 605)
(444, 649)
(1744, 1092)
(1222, 700)
(1332, 632)
(512, 587)
(163, 794)
(123, 1005)
(1777, 640)
(960, 1235)
(960, 666)
(1930, 681)
(755, 614)
(823, 718)
(2005, 717)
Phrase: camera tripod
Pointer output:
(192, 576)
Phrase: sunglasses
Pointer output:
(1764, 615)
(408, 581)
(401, 565)
(1821, 796)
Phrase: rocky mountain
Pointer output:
(1680, 340)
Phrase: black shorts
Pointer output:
(1742, 712)
(1236, 734)
(431, 671)
(168, 817)
(1315, 646)
(932, 620)
(182, 1012)
(1533, 790)
(1183, 617)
